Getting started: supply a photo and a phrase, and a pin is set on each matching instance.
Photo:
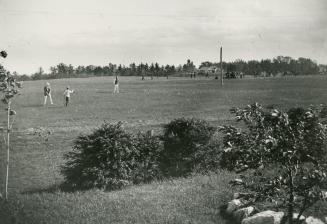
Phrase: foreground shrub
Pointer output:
(111, 158)
(208, 157)
(147, 158)
(293, 142)
(182, 138)
(104, 159)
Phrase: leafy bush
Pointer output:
(293, 142)
(208, 156)
(147, 165)
(111, 158)
(182, 138)
(104, 159)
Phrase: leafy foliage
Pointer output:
(9, 88)
(147, 165)
(102, 159)
(111, 158)
(182, 138)
(208, 156)
(8, 85)
(3, 54)
(293, 142)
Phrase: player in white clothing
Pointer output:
(67, 93)
(116, 88)
(47, 93)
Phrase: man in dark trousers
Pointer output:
(67, 93)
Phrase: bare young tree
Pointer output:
(9, 88)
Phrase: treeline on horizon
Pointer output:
(281, 65)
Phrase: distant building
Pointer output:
(323, 69)
(264, 74)
(208, 69)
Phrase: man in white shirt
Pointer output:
(67, 95)
(116, 82)
(47, 93)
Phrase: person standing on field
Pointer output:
(47, 93)
(116, 88)
(67, 93)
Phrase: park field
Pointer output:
(142, 105)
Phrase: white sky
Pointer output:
(81, 32)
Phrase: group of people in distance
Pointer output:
(68, 91)
(47, 93)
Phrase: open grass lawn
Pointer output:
(143, 105)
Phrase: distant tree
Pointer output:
(80, 70)
(90, 69)
(231, 67)
(39, 74)
(179, 68)
(322, 69)
(206, 64)
(156, 69)
(281, 64)
(70, 69)
(167, 71)
(307, 66)
(240, 65)
(266, 66)
(23, 77)
(112, 68)
(254, 67)
(162, 70)
(189, 66)
(152, 70)
(133, 70)
(53, 71)
(120, 69)
(63, 70)
(41, 71)
(146, 67)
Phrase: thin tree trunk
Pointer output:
(302, 208)
(291, 199)
(221, 67)
(8, 146)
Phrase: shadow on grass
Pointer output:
(9, 210)
(34, 105)
(67, 189)
(104, 91)
(53, 189)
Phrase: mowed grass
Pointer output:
(142, 105)
(192, 200)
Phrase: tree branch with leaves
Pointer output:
(9, 89)
(285, 153)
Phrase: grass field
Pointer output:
(142, 105)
